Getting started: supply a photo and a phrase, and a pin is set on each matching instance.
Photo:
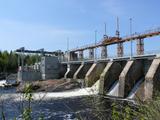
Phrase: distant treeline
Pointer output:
(9, 61)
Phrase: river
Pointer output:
(71, 105)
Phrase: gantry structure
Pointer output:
(106, 41)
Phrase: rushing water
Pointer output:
(71, 105)
(86, 107)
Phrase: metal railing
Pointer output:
(146, 33)
(127, 55)
(136, 34)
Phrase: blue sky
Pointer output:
(47, 24)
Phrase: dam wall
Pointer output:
(71, 69)
(110, 75)
(82, 70)
(94, 73)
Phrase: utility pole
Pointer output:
(105, 32)
(67, 49)
(18, 61)
(95, 45)
(117, 31)
(22, 57)
(131, 35)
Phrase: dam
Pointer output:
(134, 77)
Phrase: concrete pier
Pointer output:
(137, 92)
(140, 47)
(80, 55)
(150, 86)
(76, 74)
(104, 52)
(94, 73)
(91, 54)
(152, 80)
(63, 70)
(71, 69)
(132, 72)
(73, 56)
(82, 70)
(109, 75)
(120, 51)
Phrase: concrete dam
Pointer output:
(135, 77)
(124, 78)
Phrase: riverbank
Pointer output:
(52, 85)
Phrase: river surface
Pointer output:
(90, 107)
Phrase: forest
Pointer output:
(9, 61)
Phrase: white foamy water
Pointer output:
(50, 95)
(2, 83)
(132, 94)
(114, 89)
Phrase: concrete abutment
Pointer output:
(109, 75)
(82, 70)
(71, 69)
(94, 73)
(132, 72)
(150, 86)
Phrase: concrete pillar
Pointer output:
(109, 75)
(81, 55)
(75, 76)
(91, 53)
(71, 69)
(152, 83)
(63, 70)
(132, 72)
(93, 73)
(140, 47)
(104, 52)
(73, 56)
(82, 70)
(137, 92)
(120, 52)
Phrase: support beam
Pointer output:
(137, 92)
(63, 70)
(140, 47)
(120, 52)
(81, 55)
(71, 69)
(109, 75)
(82, 70)
(91, 53)
(132, 72)
(151, 83)
(75, 76)
(72, 56)
(94, 73)
(104, 52)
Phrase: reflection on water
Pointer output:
(4, 90)
(83, 107)
(59, 109)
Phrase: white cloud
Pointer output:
(15, 34)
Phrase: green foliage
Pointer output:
(27, 114)
(28, 96)
(115, 112)
(9, 61)
(143, 111)
(3, 116)
(41, 117)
